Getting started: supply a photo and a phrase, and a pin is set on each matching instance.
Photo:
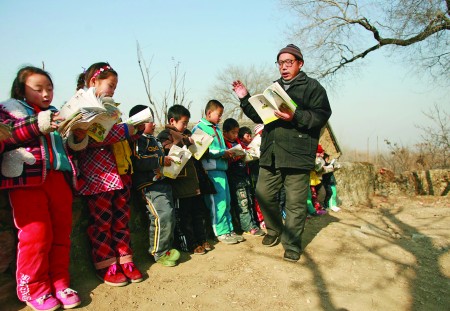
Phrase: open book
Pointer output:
(180, 157)
(271, 100)
(237, 150)
(202, 141)
(89, 112)
(144, 116)
(253, 149)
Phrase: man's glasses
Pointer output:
(288, 62)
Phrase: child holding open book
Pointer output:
(186, 189)
(148, 161)
(105, 184)
(215, 163)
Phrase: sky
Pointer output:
(385, 100)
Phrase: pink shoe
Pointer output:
(44, 303)
(68, 298)
(321, 212)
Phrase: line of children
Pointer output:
(239, 183)
(107, 171)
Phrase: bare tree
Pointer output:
(338, 33)
(435, 146)
(256, 79)
(175, 94)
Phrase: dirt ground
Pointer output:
(394, 256)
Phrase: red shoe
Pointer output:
(112, 276)
(131, 272)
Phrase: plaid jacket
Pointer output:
(28, 130)
(97, 164)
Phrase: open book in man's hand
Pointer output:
(271, 100)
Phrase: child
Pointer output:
(316, 181)
(215, 163)
(239, 182)
(40, 196)
(107, 190)
(186, 189)
(254, 167)
(148, 160)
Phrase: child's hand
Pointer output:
(131, 129)
(56, 120)
(167, 161)
(79, 134)
(228, 154)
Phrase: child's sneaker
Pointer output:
(207, 246)
(335, 208)
(44, 303)
(165, 260)
(199, 250)
(112, 276)
(227, 239)
(255, 232)
(131, 272)
(173, 254)
(68, 298)
(238, 238)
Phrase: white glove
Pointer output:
(12, 164)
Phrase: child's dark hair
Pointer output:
(213, 104)
(138, 108)
(178, 111)
(230, 124)
(244, 130)
(99, 70)
(18, 86)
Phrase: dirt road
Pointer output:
(394, 256)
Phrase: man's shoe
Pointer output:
(68, 298)
(290, 255)
(227, 239)
(44, 303)
(270, 240)
(131, 272)
(112, 276)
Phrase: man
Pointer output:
(288, 151)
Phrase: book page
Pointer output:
(263, 107)
(238, 150)
(180, 157)
(279, 96)
(201, 143)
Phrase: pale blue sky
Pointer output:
(384, 100)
